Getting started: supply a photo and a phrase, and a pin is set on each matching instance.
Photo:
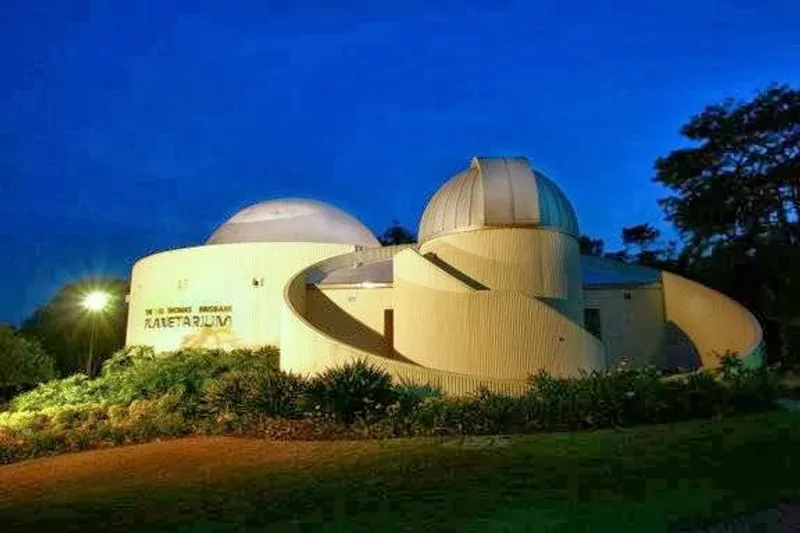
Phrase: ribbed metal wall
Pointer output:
(538, 263)
(497, 192)
(308, 350)
(496, 334)
(352, 315)
(714, 323)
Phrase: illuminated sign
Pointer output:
(205, 316)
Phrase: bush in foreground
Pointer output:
(139, 373)
(141, 396)
(23, 363)
(357, 391)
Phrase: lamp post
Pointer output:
(94, 303)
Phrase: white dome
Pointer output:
(497, 192)
(293, 220)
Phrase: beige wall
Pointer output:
(713, 322)
(352, 315)
(505, 335)
(216, 275)
(632, 329)
(309, 350)
(539, 263)
(449, 332)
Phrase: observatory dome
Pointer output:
(497, 192)
(293, 220)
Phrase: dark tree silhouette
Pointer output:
(736, 201)
(642, 245)
(641, 235)
(739, 186)
(23, 363)
(63, 325)
(397, 234)
(591, 246)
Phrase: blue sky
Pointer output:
(129, 127)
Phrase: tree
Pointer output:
(739, 186)
(590, 246)
(396, 234)
(642, 246)
(63, 325)
(23, 363)
(641, 235)
(736, 201)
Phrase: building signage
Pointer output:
(203, 316)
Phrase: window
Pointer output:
(388, 330)
(591, 320)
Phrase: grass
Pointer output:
(643, 479)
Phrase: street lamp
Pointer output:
(94, 302)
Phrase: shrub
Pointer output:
(623, 397)
(141, 396)
(139, 373)
(23, 363)
(750, 389)
(158, 417)
(247, 392)
(399, 416)
(481, 413)
(74, 390)
(354, 391)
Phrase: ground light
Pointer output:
(94, 302)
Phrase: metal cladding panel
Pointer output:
(490, 334)
(351, 315)
(413, 268)
(599, 271)
(554, 208)
(294, 220)
(631, 323)
(379, 271)
(497, 192)
(510, 191)
(308, 349)
(497, 334)
(714, 323)
(535, 262)
(224, 296)
(456, 204)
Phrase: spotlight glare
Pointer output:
(95, 301)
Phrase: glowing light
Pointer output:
(95, 301)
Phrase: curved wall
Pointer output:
(351, 314)
(539, 263)
(714, 323)
(225, 295)
(505, 335)
(310, 350)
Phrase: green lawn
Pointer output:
(645, 479)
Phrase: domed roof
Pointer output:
(293, 220)
(497, 192)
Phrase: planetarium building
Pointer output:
(494, 290)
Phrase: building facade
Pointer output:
(494, 290)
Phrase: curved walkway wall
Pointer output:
(309, 350)
(534, 262)
(498, 334)
(714, 323)
(223, 295)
